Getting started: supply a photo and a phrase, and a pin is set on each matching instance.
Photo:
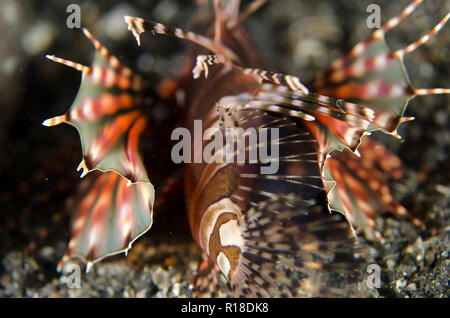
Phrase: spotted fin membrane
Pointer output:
(271, 235)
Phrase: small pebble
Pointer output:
(400, 283)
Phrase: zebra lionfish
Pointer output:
(291, 233)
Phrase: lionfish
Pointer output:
(292, 233)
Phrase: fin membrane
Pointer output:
(109, 215)
(358, 186)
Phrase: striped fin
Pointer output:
(358, 186)
(297, 171)
(288, 171)
(361, 47)
(290, 81)
(291, 246)
(226, 19)
(370, 91)
(289, 253)
(109, 216)
(341, 123)
(138, 26)
(315, 104)
(202, 64)
(108, 114)
(286, 252)
(374, 76)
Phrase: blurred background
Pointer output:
(37, 164)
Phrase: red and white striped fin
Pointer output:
(359, 48)
(108, 217)
(107, 111)
(77, 66)
(411, 47)
(373, 76)
(380, 61)
(358, 186)
(337, 124)
(431, 91)
(55, 121)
